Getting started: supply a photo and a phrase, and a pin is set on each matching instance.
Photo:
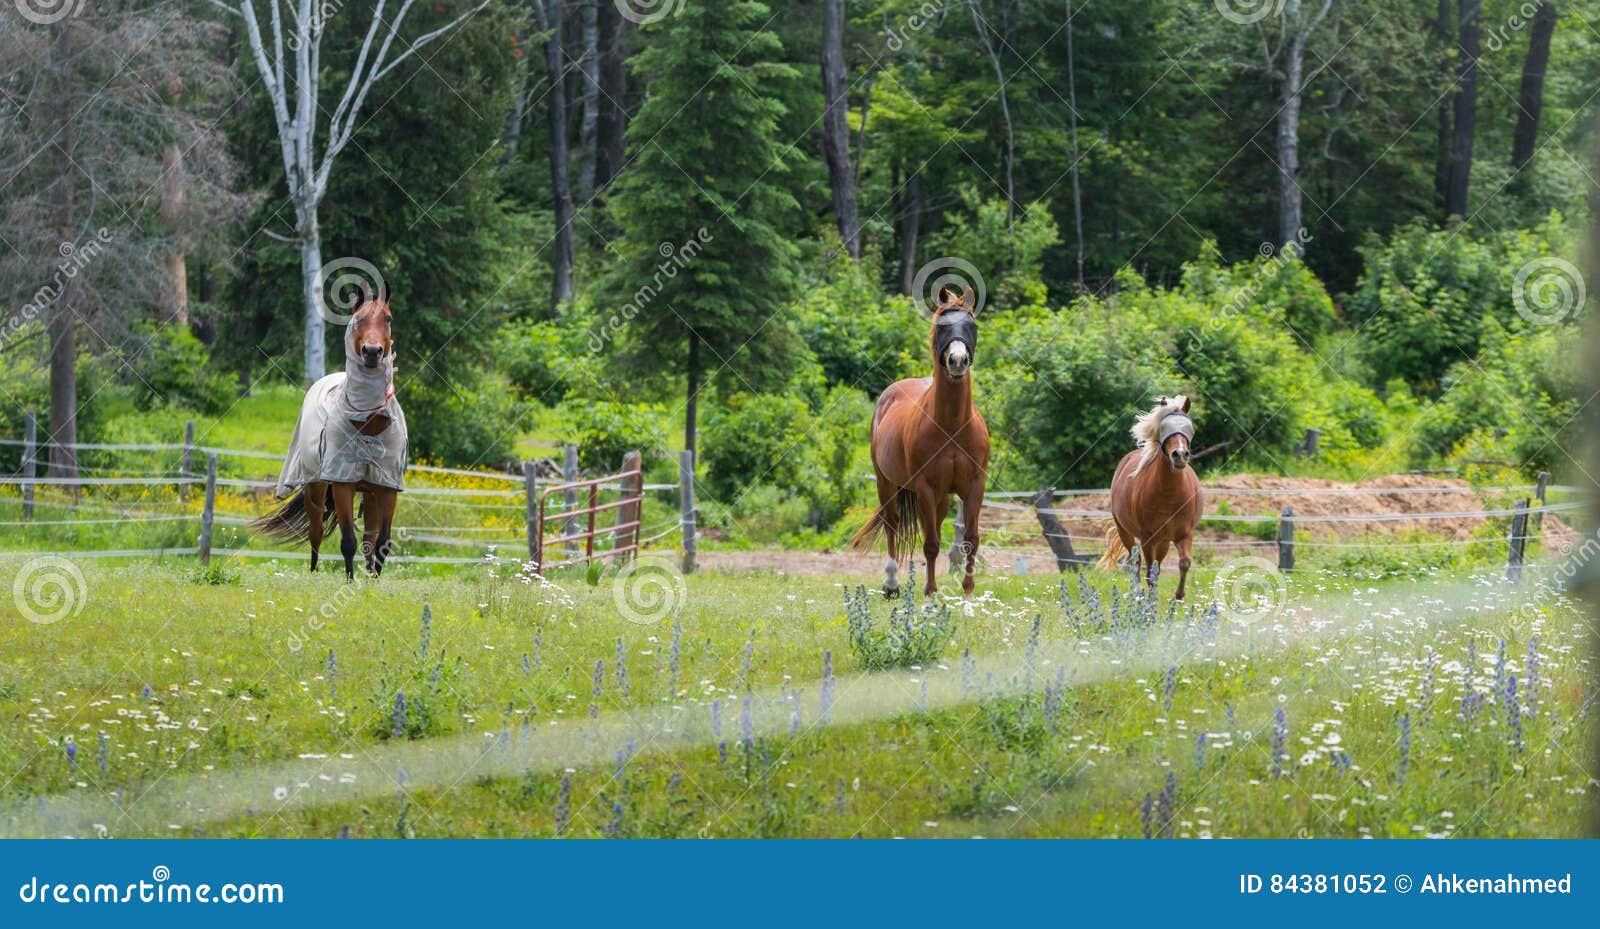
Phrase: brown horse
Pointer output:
(350, 438)
(1156, 500)
(929, 442)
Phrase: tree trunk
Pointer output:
(1466, 104)
(613, 94)
(588, 136)
(910, 219)
(1531, 100)
(1005, 111)
(511, 139)
(174, 290)
(560, 182)
(1441, 170)
(62, 319)
(1072, 113)
(311, 287)
(1290, 219)
(836, 127)
(692, 402)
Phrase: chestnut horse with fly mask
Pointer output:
(350, 438)
(1156, 500)
(929, 442)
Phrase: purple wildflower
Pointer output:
(1514, 714)
(397, 717)
(1405, 746)
(1280, 741)
(1170, 688)
(825, 699)
(1199, 751)
(598, 687)
(622, 669)
(564, 806)
(72, 755)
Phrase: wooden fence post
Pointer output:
(1519, 538)
(686, 510)
(569, 498)
(1312, 436)
(1055, 534)
(630, 512)
(210, 511)
(1539, 493)
(1286, 540)
(30, 460)
(530, 480)
(186, 466)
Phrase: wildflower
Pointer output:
(1405, 746)
(72, 755)
(825, 700)
(1514, 714)
(1170, 688)
(280, 794)
(398, 715)
(425, 637)
(564, 805)
(598, 687)
(622, 669)
(1280, 739)
(1199, 751)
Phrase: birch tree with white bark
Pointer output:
(286, 47)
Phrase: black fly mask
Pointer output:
(955, 325)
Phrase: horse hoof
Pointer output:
(891, 593)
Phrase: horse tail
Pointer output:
(1115, 550)
(288, 523)
(907, 526)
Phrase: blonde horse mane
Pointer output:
(1146, 429)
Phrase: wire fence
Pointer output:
(452, 518)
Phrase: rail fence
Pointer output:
(526, 503)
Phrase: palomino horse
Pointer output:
(929, 442)
(350, 438)
(1156, 504)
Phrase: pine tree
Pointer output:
(705, 265)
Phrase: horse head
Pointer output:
(1176, 430)
(955, 332)
(372, 338)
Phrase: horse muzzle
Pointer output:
(1180, 459)
(371, 355)
(957, 362)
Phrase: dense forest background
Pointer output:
(684, 223)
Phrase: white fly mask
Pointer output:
(366, 390)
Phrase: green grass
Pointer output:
(1057, 726)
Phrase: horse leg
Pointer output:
(1158, 552)
(889, 512)
(381, 505)
(971, 502)
(928, 511)
(344, 505)
(316, 499)
(1183, 564)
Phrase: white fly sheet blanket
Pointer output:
(326, 445)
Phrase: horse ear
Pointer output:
(366, 294)
(383, 292)
(948, 295)
(1186, 404)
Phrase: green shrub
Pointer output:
(913, 634)
(756, 439)
(861, 337)
(605, 430)
(539, 358)
(473, 421)
(173, 368)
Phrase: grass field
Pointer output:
(262, 701)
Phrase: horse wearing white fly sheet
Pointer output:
(327, 445)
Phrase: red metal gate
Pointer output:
(629, 486)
